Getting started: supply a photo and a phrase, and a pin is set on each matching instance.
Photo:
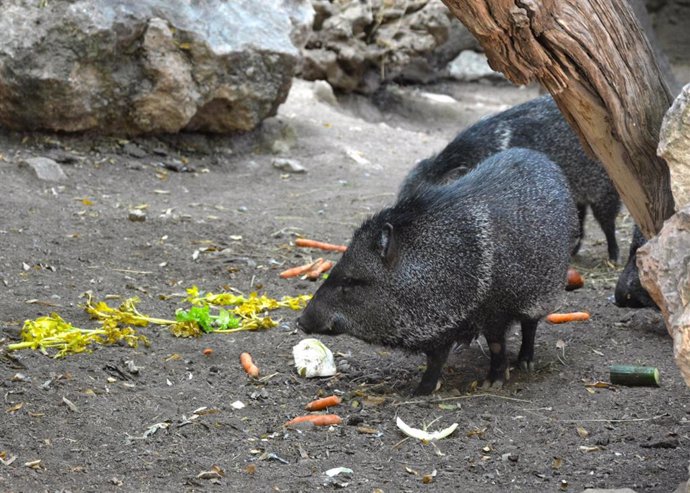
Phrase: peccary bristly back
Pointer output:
(629, 291)
(454, 261)
(537, 125)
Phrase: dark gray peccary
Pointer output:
(629, 291)
(454, 261)
(539, 125)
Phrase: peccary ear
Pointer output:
(388, 245)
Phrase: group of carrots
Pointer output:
(314, 269)
(252, 370)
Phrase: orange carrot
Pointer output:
(207, 352)
(248, 365)
(575, 280)
(317, 419)
(319, 404)
(560, 318)
(306, 243)
(319, 269)
(302, 269)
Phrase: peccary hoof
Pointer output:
(495, 385)
(527, 365)
(496, 382)
(425, 387)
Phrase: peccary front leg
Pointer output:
(435, 359)
(526, 356)
(498, 371)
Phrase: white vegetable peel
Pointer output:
(424, 435)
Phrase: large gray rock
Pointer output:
(674, 146)
(664, 267)
(116, 66)
(471, 66)
(356, 46)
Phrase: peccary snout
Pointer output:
(629, 291)
(315, 321)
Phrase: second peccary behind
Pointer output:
(629, 290)
(539, 125)
(455, 261)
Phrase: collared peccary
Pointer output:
(455, 261)
(539, 125)
(629, 291)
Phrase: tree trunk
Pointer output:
(593, 57)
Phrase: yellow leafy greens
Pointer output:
(53, 332)
(243, 313)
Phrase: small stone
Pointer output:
(324, 92)
(46, 169)
(280, 146)
(134, 150)
(289, 165)
(135, 166)
(137, 216)
(605, 490)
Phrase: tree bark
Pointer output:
(593, 57)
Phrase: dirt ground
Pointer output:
(223, 199)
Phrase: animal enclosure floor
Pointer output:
(220, 215)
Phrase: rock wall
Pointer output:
(664, 266)
(664, 262)
(152, 66)
(357, 46)
(674, 146)
(671, 19)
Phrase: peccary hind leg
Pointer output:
(526, 356)
(498, 371)
(581, 215)
(605, 214)
(435, 359)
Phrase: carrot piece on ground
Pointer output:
(319, 404)
(560, 318)
(319, 269)
(306, 243)
(317, 419)
(248, 365)
(302, 269)
(575, 280)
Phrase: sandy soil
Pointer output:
(223, 199)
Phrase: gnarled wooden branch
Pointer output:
(593, 57)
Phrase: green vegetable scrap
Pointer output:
(54, 332)
(224, 321)
(247, 313)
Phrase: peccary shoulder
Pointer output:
(454, 261)
(537, 125)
